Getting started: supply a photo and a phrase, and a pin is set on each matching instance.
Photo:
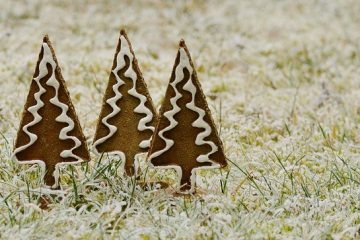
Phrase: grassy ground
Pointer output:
(282, 79)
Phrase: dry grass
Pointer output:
(282, 79)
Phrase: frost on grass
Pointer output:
(282, 80)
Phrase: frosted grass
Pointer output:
(282, 80)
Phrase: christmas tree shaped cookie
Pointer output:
(50, 133)
(127, 118)
(185, 138)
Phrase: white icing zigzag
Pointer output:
(199, 122)
(141, 108)
(63, 117)
(179, 75)
(120, 63)
(39, 104)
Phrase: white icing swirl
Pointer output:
(199, 122)
(141, 108)
(179, 76)
(39, 103)
(63, 117)
(120, 63)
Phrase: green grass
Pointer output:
(282, 81)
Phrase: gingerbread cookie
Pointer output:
(50, 133)
(127, 117)
(185, 137)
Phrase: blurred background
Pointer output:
(250, 50)
(282, 79)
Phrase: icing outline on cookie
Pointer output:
(47, 58)
(198, 123)
(141, 108)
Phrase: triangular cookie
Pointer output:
(127, 118)
(185, 138)
(50, 133)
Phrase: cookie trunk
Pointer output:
(49, 178)
(129, 164)
(185, 181)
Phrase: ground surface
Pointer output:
(282, 79)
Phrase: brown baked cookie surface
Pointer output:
(185, 137)
(127, 118)
(50, 133)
